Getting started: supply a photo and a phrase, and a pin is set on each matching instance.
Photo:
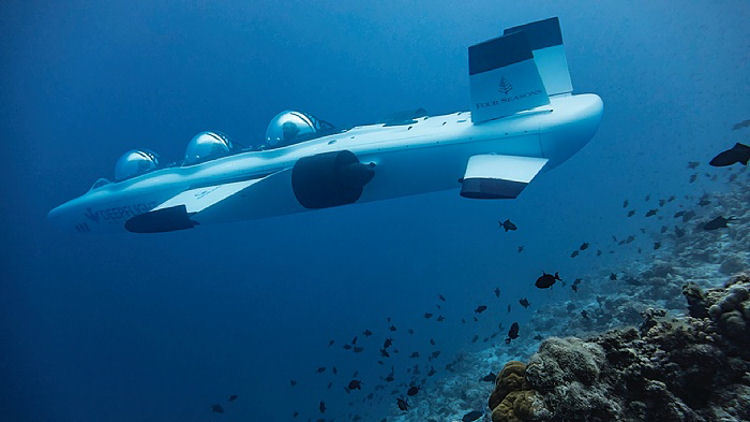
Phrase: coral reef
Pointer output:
(691, 368)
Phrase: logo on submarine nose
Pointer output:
(91, 215)
(504, 87)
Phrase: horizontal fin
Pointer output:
(491, 176)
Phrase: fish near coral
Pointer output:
(546, 280)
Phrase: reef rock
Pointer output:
(693, 368)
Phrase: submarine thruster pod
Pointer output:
(291, 127)
(135, 163)
(207, 146)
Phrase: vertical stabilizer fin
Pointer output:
(504, 78)
(545, 41)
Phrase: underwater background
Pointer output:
(160, 327)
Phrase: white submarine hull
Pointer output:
(494, 151)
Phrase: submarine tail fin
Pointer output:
(545, 41)
(504, 78)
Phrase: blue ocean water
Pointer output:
(127, 327)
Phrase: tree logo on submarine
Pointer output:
(504, 87)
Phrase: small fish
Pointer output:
(663, 229)
(355, 385)
(692, 164)
(657, 245)
(392, 328)
(497, 292)
(489, 377)
(679, 214)
(293, 382)
(367, 333)
(414, 355)
(703, 202)
(322, 406)
(648, 197)
(358, 349)
(613, 276)
(475, 338)
(354, 340)
(524, 302)
(670, 199)
(584, 314)
(347, 346)
(512, 333)
(216, 408)
(480, 309)
(435, 354)
(651, 212)
(598, 252)
(717, 223)
(402, 404)
(584, 246)
(427, 315)
(411, 331)
(441, 297)
(740, 125)
(384, 353)
(546, 280)
(334, 370)
(432, 341)
(472, 416)
(538, 337)
(387, 343)
(321, 369)
(413, 390)
(739, 153)
(330, 343)
(507, 225)
(662, 202)
(631, 213)
(440, 318)
(693, 177)
(625, 204)
(574, 254)
(520, 249)
(432, 371)
(688, 216)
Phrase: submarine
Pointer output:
(524, 120)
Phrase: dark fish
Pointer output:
(432, 342)
(334, 370)
(293, 382)
(355, 385)
(392, 328)
(512, 333)
(414, 355)
(402, 404)
(630, 239)
(657, 245)
(322, 406)
(693, 177)
(480, 309)
(384, 353)
(475, 338)
(538, 337)
(670, 199)
(321, 369)
(625, 204)
(427, 315)
(497, 292)
(507, 225)
(472, 416)
(440, 318)
(520, 249)
(330, 343)
(546, 280)
(574, 254)
(216, 408)
(489, 377)
(740, 125)
(717, 223)
(688, 216)
(584, 246)
(354, 340)
(631, 213)
(432, 371)
(663, 229)
(441, 298)
(347, 346)
(692, 164)
(648, 197)
(679, 214)
(411, 331)
(367, 333)
(703, 202)
(651, 212)
(387, 343)
(585, 314)
(412, 391)
(524, 302)
(738, 154)
(508, 308)
(295, 414)
(662, 202)
(598, 252)
(613, 276)
(358, 349)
